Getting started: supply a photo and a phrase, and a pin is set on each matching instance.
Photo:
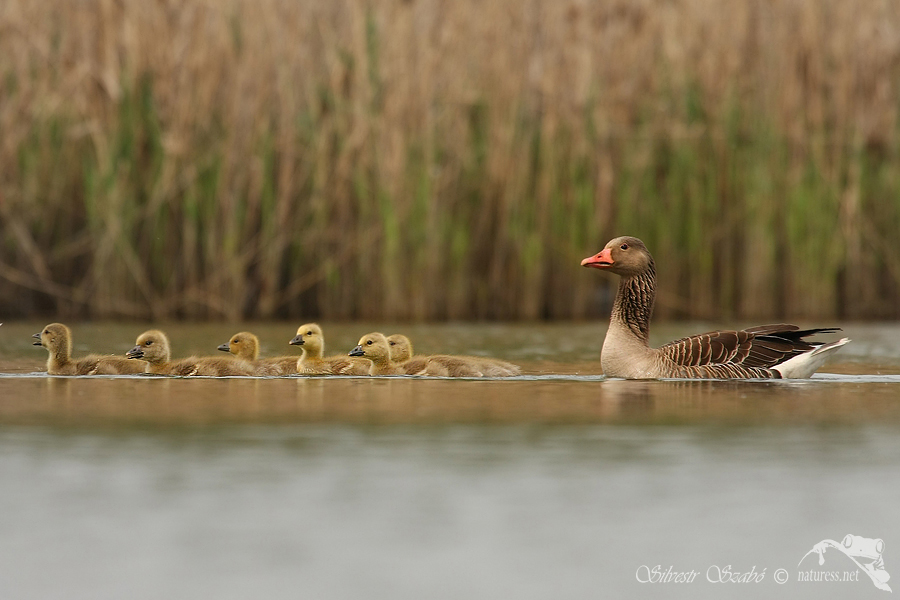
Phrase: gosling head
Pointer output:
(400, 348)
(152, 346)
(373, 346)
(56, 338)
(243, 345)
(309, 337)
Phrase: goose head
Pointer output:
(400, 348)
(626, 256)
(373, 346)
(56, 338)
(152, 346)
(309, 336)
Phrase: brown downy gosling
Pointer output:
(437, 365)
(375, 347)
(153, 347)
(401, 355)
(57, 339)
(444, 365)
(245, 347)
(311, 341)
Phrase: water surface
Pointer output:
(556, 484)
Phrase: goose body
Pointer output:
(245, 347)
(767, 352)
(153, 347)
(400, 350)
(313, 362)
(445, 365)
(494, 367)
(57, 339)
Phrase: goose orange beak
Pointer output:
(602, 260)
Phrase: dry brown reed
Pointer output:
(427, 159)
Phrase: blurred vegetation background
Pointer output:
(430, 160)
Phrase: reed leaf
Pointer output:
(300, 159)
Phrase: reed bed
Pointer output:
(430, 160)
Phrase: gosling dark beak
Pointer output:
(297, 341)
(358, 351)
(37, 336)
(224, 347)
(135, 352)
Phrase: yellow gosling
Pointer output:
(57, 339)
(444, 365)
(375, 347)
(312, 362)
(153, 347)
(245, 347)
(402, 356)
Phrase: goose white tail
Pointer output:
(804, 365)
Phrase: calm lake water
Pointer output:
(556, 484)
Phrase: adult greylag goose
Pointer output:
(445, 365)
(57, 339)
(245, 347)
(312, 361)
(375, 347)
(768, 351)
(153, 347)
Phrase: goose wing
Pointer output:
(764, 346)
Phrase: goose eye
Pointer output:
(47, 331)
(309, 333)
(392, 343)
(148, 342)
(369, 343)
(624, 246)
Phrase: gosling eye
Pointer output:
(148, 342)
(47, 332)
(309, 333)
(392, 343)
(369, 343)
(624, 246)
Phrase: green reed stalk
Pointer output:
(427, 161)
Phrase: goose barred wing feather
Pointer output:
(760, 347)
(715, 347)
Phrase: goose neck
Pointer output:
(633, 306)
